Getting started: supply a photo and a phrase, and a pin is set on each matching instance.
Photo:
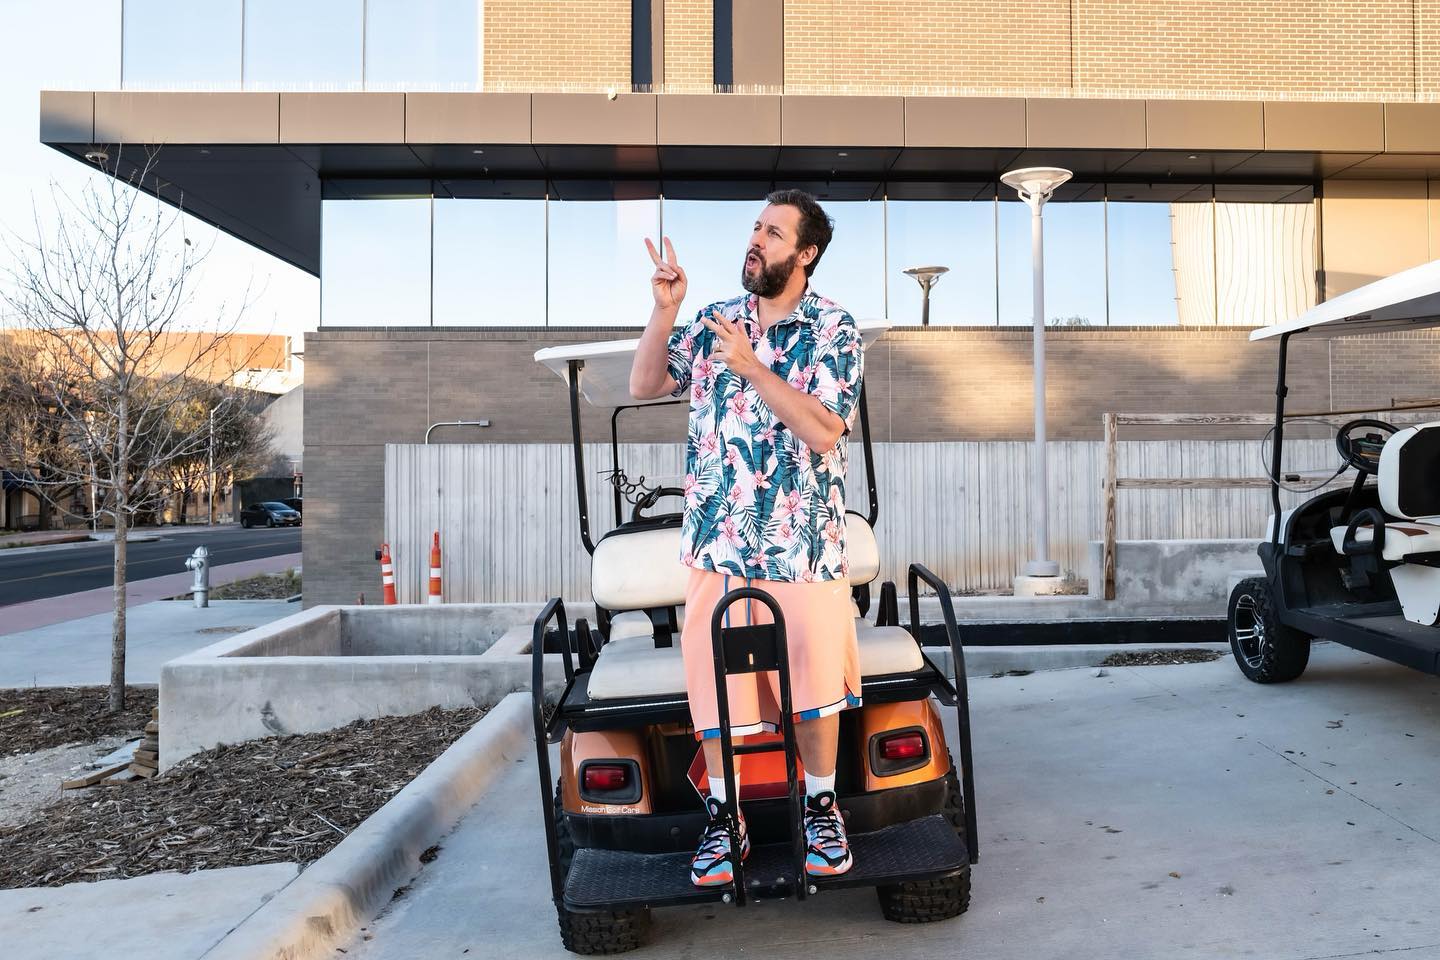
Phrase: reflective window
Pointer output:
(710, 239)
(316, 45)
(1161, 262)
(1264, 254)
(1074, 263)
(375, 263)
(422, 44)
(852, 271)
(599, 272)
(490, 263)
(959, 235)
(168, 45)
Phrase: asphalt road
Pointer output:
(54, 572)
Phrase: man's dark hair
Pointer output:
(816, 227)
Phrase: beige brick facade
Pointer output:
(689, 46)
(557, 45)
(1359, 50)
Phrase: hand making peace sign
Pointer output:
(668, 282)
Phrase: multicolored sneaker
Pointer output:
(829, 851)
(713, 864)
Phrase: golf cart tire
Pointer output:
(1282, 652)
(601, 932)
(927, 901)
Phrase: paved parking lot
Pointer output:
(1152, 812)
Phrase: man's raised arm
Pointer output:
(649, 375)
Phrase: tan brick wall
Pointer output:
(920, 46)
(557, 45)
(689, 46)
(1310, 49)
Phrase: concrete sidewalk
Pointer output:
(18, 617)
(165, 916)
(1152, 812)
(77, 652)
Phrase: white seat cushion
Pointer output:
(887, 650)
(1402, 538)
(635, 667)
(862, 549)
(636, 623)
(639, 570)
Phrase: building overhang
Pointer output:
(257, 165)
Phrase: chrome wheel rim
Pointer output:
(1247, 631)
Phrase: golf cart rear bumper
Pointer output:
(668, 833)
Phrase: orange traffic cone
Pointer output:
(435, 569)
(387, 574)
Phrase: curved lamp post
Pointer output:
(927, 277)
(1035, 186)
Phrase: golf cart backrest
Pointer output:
(1410, 473)
(640, 569)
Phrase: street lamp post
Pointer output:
(927, 277)
(210, 463)
(1035, 186)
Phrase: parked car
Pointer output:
(269, 513)
(294, 503)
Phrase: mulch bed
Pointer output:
(278, 800)
(1159, 658)
(51, 716)
(262, 586)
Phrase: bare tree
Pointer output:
(104, 298)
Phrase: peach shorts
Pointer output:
(824, 657)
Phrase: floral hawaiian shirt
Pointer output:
(759, 503)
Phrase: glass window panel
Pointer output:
(375, 263)
(316, 45)
(710, 239)
(168, 45)
(948, 233)
(1264, 261)
(599, 272)
(852, 270)
(422, 44)
(1074, 264)
(1162, 263)
(490, 263)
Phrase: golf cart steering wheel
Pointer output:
(648, 501)
(1360, 442)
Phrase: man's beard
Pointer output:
(772, 278)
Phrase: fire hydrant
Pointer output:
(199, 561)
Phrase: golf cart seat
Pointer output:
(635, 571)
(1408, 487)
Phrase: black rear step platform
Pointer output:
(924, 849)
(1377, 629)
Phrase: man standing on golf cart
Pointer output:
(773, 378)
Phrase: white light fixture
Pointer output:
(97, 155)
(1035, 185)
(927, 277)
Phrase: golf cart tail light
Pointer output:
(601, 777)
(904, 746)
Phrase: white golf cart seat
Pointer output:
(642, 570)
(1409, 483)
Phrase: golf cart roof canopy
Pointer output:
(1408, 300)
(605, 379)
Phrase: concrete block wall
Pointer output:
(369, 387)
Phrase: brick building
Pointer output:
(471, 180)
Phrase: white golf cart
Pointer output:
(1360, 567)
(622, 818)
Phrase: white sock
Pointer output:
(717, 786)
(814, 786)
